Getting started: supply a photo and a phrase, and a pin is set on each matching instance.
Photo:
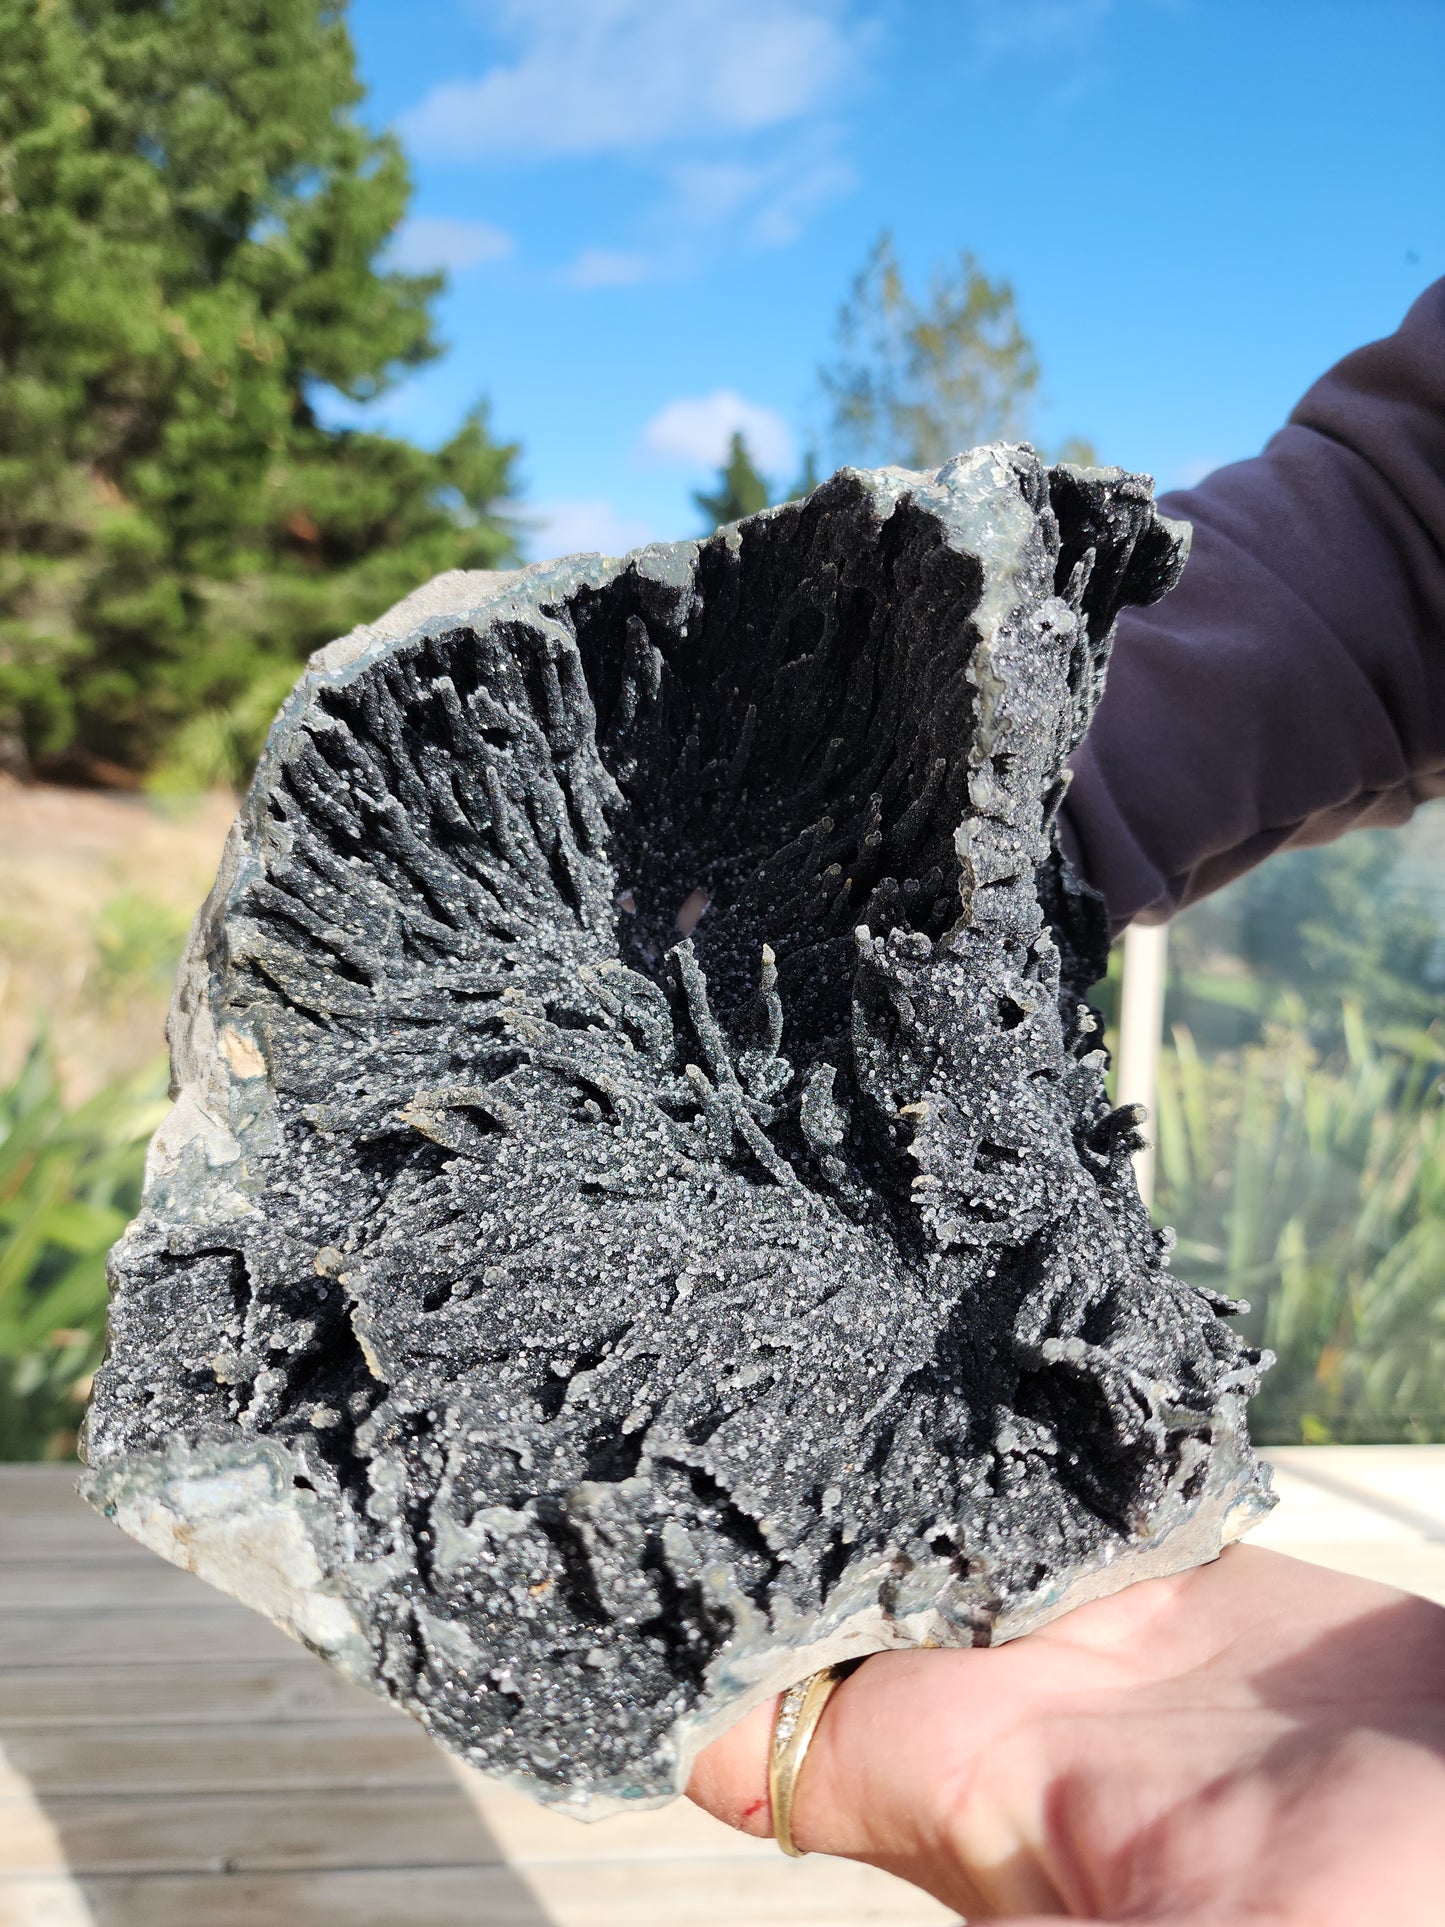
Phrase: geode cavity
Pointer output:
(641, 1216)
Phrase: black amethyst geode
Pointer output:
(641, 1216)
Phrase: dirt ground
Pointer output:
(97, 891)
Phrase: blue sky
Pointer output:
(651, 209)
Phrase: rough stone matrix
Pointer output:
(579, 1312)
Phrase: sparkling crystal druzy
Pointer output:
(641, 1216)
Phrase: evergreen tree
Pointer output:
(740, 489)
(808, 479)
(190, 219)
(915, 382)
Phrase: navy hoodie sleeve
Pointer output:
(1293, 686)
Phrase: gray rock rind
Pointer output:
(578, 1332)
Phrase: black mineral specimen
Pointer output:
(641, 1217)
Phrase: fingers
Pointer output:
(905, 1708)
(1040, 1781)
(892, 1777)
(730, 1777)
(849, 1783)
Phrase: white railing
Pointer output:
(1141, 1029)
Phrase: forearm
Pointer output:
(1293, 686)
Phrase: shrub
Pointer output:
(70, 1177)
(1315, 1188)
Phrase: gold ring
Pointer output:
(799, 1711)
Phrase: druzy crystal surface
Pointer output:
(641, 1216)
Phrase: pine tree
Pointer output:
(191, 213)
(916, 382)
(807, 480)
(740, 489)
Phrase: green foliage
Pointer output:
(69, 1180)
(1333, 923)
(1306, 933)
(191, 215)
(137, 942)
(807, 480)
(917, 381)
(1315, 1189)
(740, 489)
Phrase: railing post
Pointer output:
(1141, 1028)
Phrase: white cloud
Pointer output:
(706, 192)
(581, 528)
(695, 431)
(1189, 473)
(623, 76)
(1002, 27)
(606, 268)
(782, 214)
(427, 242)
(768, 202)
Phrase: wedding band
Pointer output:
(799, 1711)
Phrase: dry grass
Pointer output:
(97, 891)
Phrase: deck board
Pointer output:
(296, 1688)
(235, 1756)
(166, 1757)
(698, 1893)
(308, 1829)
(71, 1532)
(168, 1636)
(94, 1585)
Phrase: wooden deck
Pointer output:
(167, 1759)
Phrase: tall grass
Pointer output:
(1315, 1188)
(70, 1177)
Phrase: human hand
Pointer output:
(1257, 1741)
